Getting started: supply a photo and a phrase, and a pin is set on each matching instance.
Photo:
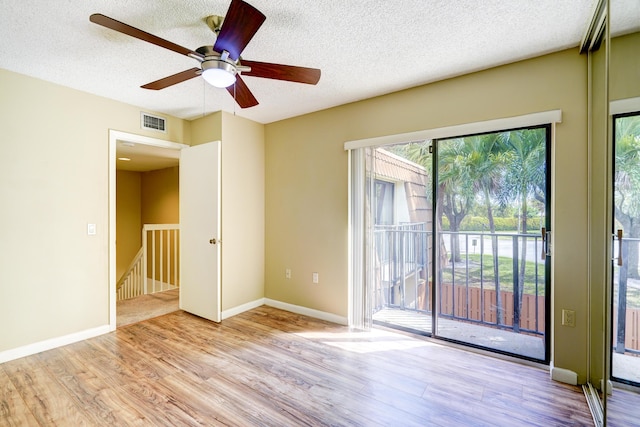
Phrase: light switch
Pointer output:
(91, 229)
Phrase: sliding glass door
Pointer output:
(457, 246)
(401, 235)
(492, 205)
(625, 360)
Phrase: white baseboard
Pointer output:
(609, 386)
(242, 308)
(52, 343)
(563, 375)
(329, 317)
(322, 315)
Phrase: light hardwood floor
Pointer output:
(269, 367)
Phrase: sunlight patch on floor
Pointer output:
(371, 341)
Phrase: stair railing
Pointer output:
(132, 283)
(156, 267)
(161, 243)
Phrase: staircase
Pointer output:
(156, 266)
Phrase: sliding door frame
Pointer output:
(547, 265)
(358, 269)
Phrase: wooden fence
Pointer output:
(482, 306)
(632, 328)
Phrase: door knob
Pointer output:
(213, 241)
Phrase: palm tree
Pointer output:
(487, 161)
(627, 182)
(456, 194)
(526, 175)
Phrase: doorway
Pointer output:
(131, 156)
(457, 242)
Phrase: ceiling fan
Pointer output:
(220, 64)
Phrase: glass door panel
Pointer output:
(401, 234)
(491, 205)
(625, 360)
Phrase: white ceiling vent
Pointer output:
(150, 122)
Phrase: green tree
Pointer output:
(456, 195)
(524, 180)
(627, 184)
(487, 160)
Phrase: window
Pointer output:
(384, 202)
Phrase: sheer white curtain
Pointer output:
(360, 229)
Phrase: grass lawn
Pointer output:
(483, 273)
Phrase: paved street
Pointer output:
(505, 245)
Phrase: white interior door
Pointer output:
(200, 230)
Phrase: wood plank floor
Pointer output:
(623, 408)
(269, 367)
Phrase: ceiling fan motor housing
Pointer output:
(216, 68)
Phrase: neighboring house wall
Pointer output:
(307, 175)
(412, 203)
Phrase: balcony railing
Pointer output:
(469, 290)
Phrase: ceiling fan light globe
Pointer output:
(218, 73)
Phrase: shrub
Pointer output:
(475, 223)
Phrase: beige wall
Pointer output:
(54, 278)
(242, 217)
(306, 181)
(624, 81)
(128, 218)
(161, 196)
(243, 201)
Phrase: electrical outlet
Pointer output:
(287, 273)
(568, 318)
(315, 278)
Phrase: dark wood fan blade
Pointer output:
(241, 93)
(172, 80)
(239, 26)
(121, 27)
(282, 72)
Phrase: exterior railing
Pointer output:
(468, 289)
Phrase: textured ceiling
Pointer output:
(365, 48)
